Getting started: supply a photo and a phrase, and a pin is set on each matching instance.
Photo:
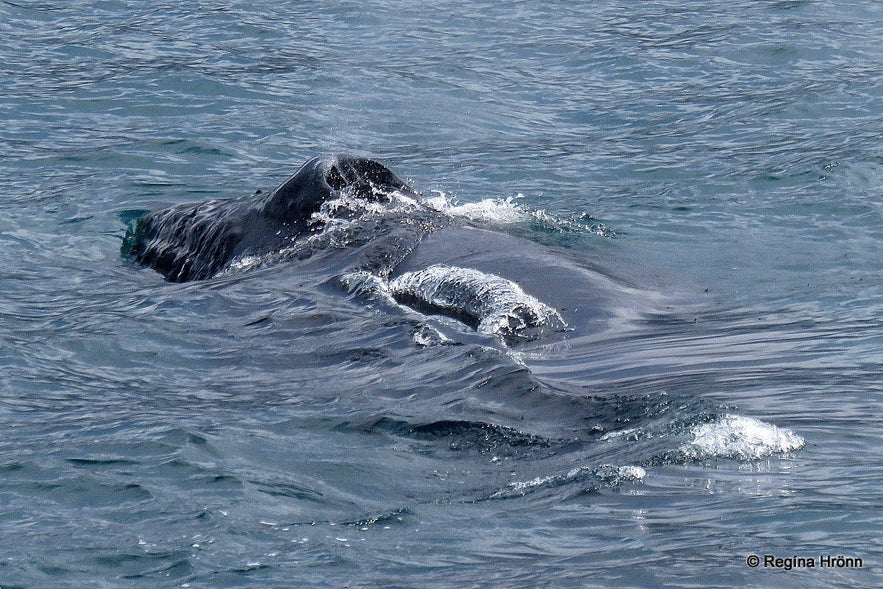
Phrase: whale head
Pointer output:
(198, 240)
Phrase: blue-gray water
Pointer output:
(722, 162)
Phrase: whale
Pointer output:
(520, 342)
(397, 248)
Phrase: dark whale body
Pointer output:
(400, 248)
(196, 241)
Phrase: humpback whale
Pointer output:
(346, 201)
(349, 222)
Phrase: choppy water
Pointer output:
(714, 169)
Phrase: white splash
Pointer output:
(366, 283)
(630, 434)
(243, 263)
(741, 438)
(498, 306)
(617, 474)
(507, 211)
(427, 336)
(499, 211)
(610, 474)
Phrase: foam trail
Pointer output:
(501, 211)
(605, 474)
(507, 211)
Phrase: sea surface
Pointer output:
(714, 168)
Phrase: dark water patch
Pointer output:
(102, 463)
(444, 429)
(465, 436)
(398, 517)
(371, 356)
(283, 489)
(208, 478)
(155, 565)
(84, 492)
(12, 467)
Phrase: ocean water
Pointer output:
(697, 187)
